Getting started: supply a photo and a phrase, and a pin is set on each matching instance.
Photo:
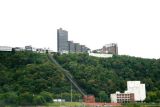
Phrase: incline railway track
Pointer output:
(67, 74)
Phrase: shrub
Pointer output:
(38, 100)
(26, 98)
(47, 96)
(9, 98)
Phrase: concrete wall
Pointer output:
(100, 55)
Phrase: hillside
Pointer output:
(102, 76)
(30, 78)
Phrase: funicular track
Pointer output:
(67, 74)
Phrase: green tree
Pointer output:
(38, 100)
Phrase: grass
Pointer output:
(78, 104)
(141, 105)
(65, 104)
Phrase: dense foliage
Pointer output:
(103, 76)
(28, 78)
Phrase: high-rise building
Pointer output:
(62, 41)
(71, 47)
(65, 46)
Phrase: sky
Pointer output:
(133, 24)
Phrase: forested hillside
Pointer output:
(28, 78)
(103, 76)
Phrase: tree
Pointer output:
(102, 96)
(38, 100)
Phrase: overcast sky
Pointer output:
(133, 24)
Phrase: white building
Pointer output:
(135, 92)
(122, 97)
(138, 89)
(5, 48)
(59, 100)
(100, 55)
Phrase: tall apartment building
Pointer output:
(138, 89)
(62, 41)
(65, 46)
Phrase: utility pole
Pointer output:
(71, 92)
(61, 99)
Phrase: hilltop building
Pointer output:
(77, 47)
(65, 46)
(106, 51)
(111, 48)
(18, 49)
(84, 48)
(62, 41)
(5, 48)
(71, 47)
(29, 48)
(26, 48)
